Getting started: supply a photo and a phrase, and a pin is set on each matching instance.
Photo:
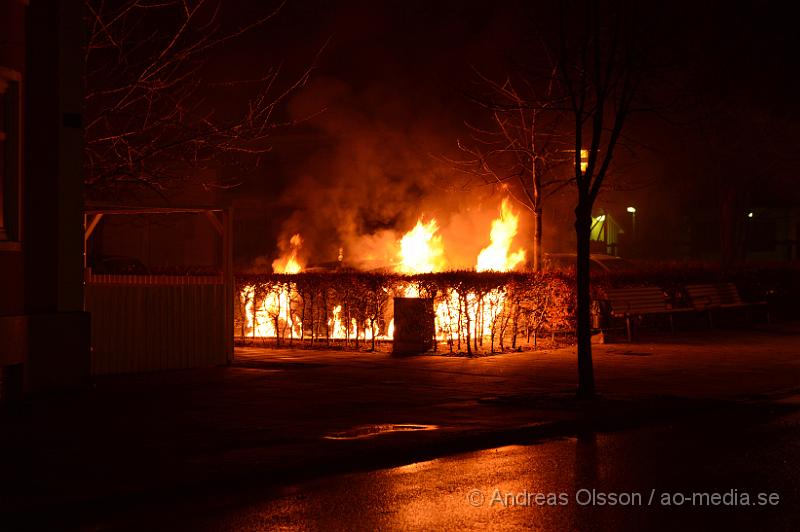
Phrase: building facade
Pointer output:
(44, 332)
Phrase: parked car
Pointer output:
(598, 263)
(346, 266)
(117, 264)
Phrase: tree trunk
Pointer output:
(372, 322)
(583, 224)
(537, 239)
(467, 332)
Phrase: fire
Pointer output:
(270, 316)
(338, 329)
(468, 316)
(421, 249)
(290, 263)
(495, 256)
(481, 313)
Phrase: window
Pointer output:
(10, 155)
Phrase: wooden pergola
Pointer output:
(220, 219)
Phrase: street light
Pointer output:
(632, 211)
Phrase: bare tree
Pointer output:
(521, 148)
(597, 67)
(148, 119)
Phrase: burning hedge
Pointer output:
(474, 311)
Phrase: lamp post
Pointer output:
(632, 211)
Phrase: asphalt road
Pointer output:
(736, 470)
(263, 444)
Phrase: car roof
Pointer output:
(600, 256)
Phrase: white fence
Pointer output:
(156, 322)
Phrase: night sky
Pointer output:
(390, 93)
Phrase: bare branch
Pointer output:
(148, 118)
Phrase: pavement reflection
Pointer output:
(706, 455)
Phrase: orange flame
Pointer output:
(270, 315)
(421, 249)
(496, 255)
(290, 263)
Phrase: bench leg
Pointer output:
(628, 327)
(671, 324)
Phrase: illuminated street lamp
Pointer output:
(632, 211)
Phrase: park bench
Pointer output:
(712, 298)
(629, 303)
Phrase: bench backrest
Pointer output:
(728, 294)
(641, 299)
(713, 294)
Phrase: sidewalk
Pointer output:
(264, 421)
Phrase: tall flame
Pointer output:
(421, 249)
(496, 255)
(457, 315)
(289, 263)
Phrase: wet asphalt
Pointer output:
(732, 470)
